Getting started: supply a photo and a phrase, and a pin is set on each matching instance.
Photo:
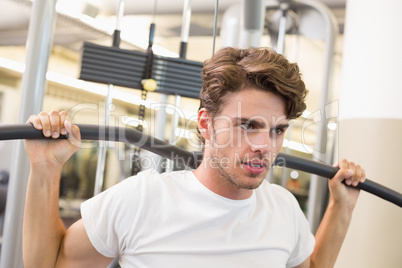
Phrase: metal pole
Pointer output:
(253, 23)
(39, 41)
(185, 28)
(185, 32)
(215, 26)
(174, 123)
(280, 47)
(316, 196)
(103, 145)
(159, 128)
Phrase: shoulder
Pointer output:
(125, 192)
(276, 196)
(143, 178)
(145, 182)
(151, 183)
(276, 190)
(152, 177)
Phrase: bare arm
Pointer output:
(77, 251)
(335, 223)
(45, 240)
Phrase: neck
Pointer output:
(218, 184)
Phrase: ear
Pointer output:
(204, 123)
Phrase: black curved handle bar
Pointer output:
(184, 158)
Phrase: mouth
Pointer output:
(256, 164)
(255, 167)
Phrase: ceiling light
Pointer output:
(294, 174)
(332, 126)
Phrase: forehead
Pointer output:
(249, 103)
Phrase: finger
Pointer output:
(350, 173)
(55, 124)
(63, 117)
(358, 174)
(45, 122)
(35, 121)
(74, 134)
(363, 177)
(343, 164)
(345, 172)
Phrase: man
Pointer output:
(223, 214)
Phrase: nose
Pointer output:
(261, 141)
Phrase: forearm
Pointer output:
(43, 229)
(330, 235)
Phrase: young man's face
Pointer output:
(246, 137)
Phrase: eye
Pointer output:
(247, 126)
(277, 131)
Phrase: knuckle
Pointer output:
(345, 173)
(343, 163)
(53, 113)
(55, 125)
(31, 118)
(342, 172)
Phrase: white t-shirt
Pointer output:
(172, 220)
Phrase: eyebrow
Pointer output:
(258, 123)
(282, 126)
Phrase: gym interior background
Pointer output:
(95, 20)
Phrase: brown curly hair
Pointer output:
(231, 70)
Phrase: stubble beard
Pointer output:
(232, 177)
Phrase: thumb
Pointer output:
(74, 136)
